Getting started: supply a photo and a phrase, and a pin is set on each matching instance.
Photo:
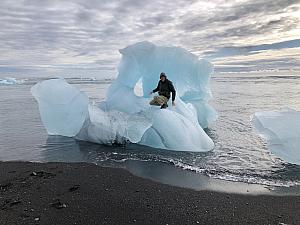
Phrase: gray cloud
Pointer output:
(281, 25)
(88, 33)
(252, 49)
(255, 65)
(238, 12)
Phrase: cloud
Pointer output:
(251, 49)
(255, 65)
(239, 12)
(88, 33)
(258, 28)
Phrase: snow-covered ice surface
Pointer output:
(281, 129)
(125, 116)
(11, 81)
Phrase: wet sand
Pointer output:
(81, 193)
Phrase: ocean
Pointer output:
(239, 153)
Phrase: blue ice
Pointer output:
(126, 115)
(281, 130)
(11, 81)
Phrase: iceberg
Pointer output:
(281, 129)
(10, 81)
(63, 108)
(126, 115)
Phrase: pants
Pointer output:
(159, 100)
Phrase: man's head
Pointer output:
(162, 77)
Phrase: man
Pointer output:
(164, 88)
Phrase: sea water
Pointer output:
(239, 153)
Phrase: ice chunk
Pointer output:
(11, 81)
(126, 116)
(123, 98)
(63, 108)
(113, 126)
(282, 131)
(145, 61)
(178, 132)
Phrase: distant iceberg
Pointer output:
(10, 81)
(282, 131)
(126, 116)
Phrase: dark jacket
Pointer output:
(165, 88)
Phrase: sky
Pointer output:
(82, 37)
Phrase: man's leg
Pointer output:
(163, 101)
(159, 101)
(166, 100)
(154, 101)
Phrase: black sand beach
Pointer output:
(80, 193)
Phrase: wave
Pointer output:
(238, 176)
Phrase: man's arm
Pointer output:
(156, 89)
(172, 89)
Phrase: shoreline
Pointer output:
(169, 174)
(82, 193)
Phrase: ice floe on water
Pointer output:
(11, 81)
(63, 108)
(126, 116)
(281, 129)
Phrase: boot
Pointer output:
(164, 106)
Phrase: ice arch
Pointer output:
(126, 116)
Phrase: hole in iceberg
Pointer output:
(138, 88)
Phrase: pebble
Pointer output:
(74, 188)
(58, 204)
(33, 174)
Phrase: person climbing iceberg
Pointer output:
(164, 88)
